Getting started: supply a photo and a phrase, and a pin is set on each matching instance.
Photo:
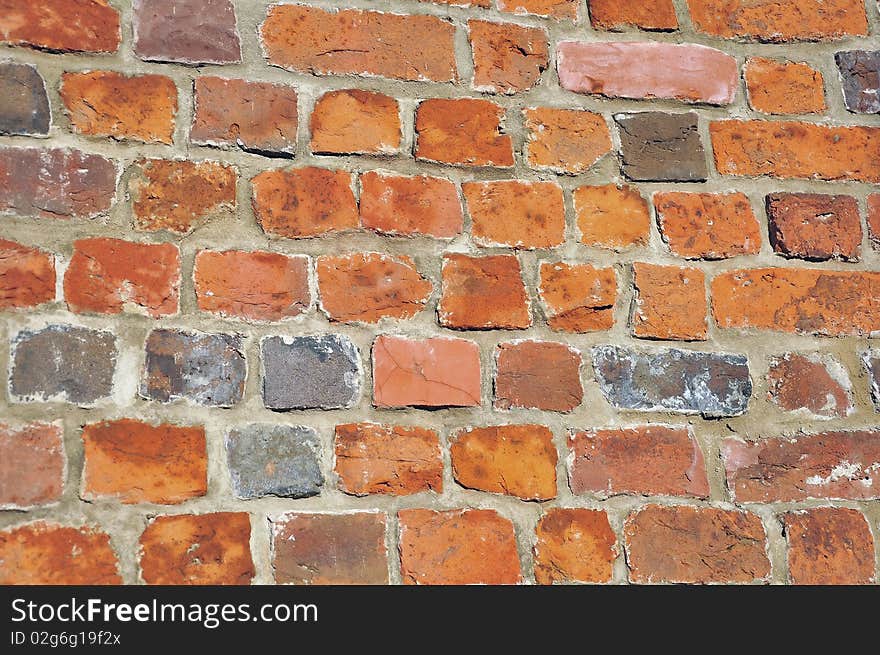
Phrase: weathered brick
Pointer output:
(651, 460)
(304, 202)
(464, 131)
(468, 281)
(352, 121)
(874, 219)
(32, 465)
(646, 15)
(274, 460)
(669, 302)
(566, 140)
(63, 362)
(810, 384)
(330, 549)
(695, 545)
(860, 75)
(538, 375)
(25, 109)
(805, 301)
(814, 226)
(783, 87)
(180, 195)
(186, 31)
(707, 225)
(507, 58)
(871, 362)
(27, 276)
(612, 216)
(516, 460)
(206, 369)
(574, 545)
(55, 183)
(136, 462)
(310, 372)
(534, 213)
(434, 372)
(469, 546)
(683, 381)
(255, 116)
(789, 149)
(61, 25)
(197, 549)
(778, 21)
(829, 546)
(367, 287)
(43, 553)
(661, 147)
(647, 70)
(558, 9)
(387, 459)
(106, 103)
(843, 465)
(355, 42)
(578, 297)
(485, 4)
(109, 276)
(408, 206)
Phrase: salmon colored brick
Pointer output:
(367, 287)
(558, 9)
(44, 553)
(61, 25)
(784, 87)
(566, 140)
(469, 281)
(27, 276)
(669, 302)
(105, 103)
(537, 375)
(516, 460)
(304, 202)
(137, 462)
(355, 122)
(469, 546)
(507, 58)
(409, 206)
(612, 216)
(258, 285)
(809, 384)
(387, 459)
(574, 545)
(32, 465)
(874, 219)
(109, 276)
(829, 546)
(465, 132)
(646, 14)
(578, 297)
(534, 213)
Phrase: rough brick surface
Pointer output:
(537, 374)
(574, 545)
(784, 87)
(467, 132)
(566, 140)
(814, 226)
(61, 25)
(274, 460)
(829, 546)
(647, 15)
(409, 206)
(612, 216)
(32, 465)
(27, 276)
(874, 219)
(507, 57)
(468, 281)
(871, 362)
(353, 121)
(578, 297)
(557, 9)
(860, 72)
(534, 213)
(186, 31)
(661, 147)
(810, 384)
(25, 108)
(669, 303)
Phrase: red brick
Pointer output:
(367, 287)
(669, 302)
(355, 42)
(507, 58)
(651, 460)
(197, 549)
(27, 276)
(61, 25)
(44, 553)
(799, 300)
(464, 131)
(106, 103)
(829, 546)
(258, 285)
(534, 213)
(557, 9)
(814, 226)
(355, 122)
(695, 545)
(387, 459)
(186, 31)
(516, 460)
(874, 219)
(485, 4)
(136, 462)
(842, 465)
(566, 140)
(612, 216)
(32, 465)
(578, 297)
(574, 545)
(811, 384)
(408, 206)
(645, 14)
(304, 202)
(538, 375)
(468, 281)
(109, 276)
(783, 87)
(429, 373)
(789, 149)
(469, 546)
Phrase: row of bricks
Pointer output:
(662, 543)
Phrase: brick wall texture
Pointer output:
(432, 292)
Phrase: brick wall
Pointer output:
(439, 292)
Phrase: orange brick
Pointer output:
(27, 276)
(612, 216)
(534, 213)
(578, 297)
(468, 281)
(538, 374)
(574, 545)
(65, 25)
(784, 87)
(645, 14)
(829, 546)
(558, 9)
(507, 58)
(401, 205)
(355, 122)
(669, 303)
(566, 140)
(465, 132)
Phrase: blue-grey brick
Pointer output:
(24, 105)
(860, 76)
(871, 360)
